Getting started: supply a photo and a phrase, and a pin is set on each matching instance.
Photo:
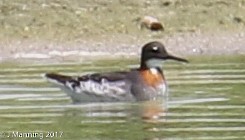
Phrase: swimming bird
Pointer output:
(142, 84)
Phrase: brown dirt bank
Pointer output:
(198, 43)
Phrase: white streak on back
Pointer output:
(105, 88)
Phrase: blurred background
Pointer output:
(190, 26)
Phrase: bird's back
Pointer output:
(134, 85)
(112, 86)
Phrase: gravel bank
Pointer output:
(185, 44)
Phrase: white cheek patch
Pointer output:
(153, 63)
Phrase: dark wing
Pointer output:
(110, 76)
(61, 79)
(97, 77)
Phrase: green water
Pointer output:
(207, 101)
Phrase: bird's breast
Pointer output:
(151, 78)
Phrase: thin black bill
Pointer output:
(177, 58)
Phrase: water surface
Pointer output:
(207, 102)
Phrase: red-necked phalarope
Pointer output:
(142, 84)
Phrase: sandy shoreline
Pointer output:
(185, 44)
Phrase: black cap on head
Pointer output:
(156, 50)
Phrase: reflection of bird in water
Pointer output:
(152, 109)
